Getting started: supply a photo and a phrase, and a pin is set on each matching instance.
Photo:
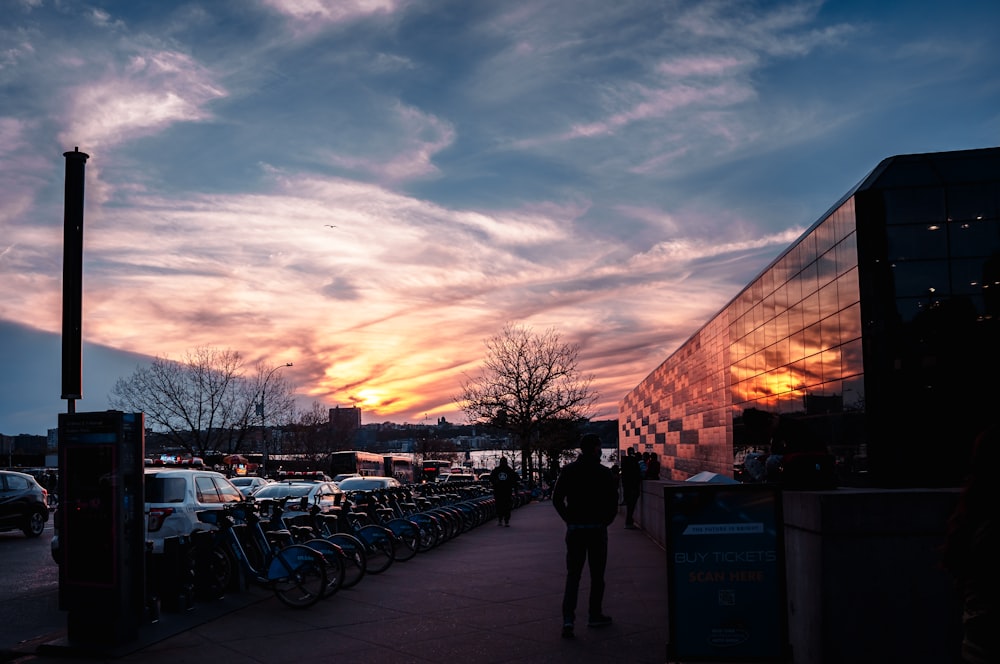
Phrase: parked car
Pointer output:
(326, 495)
(174, 496)
(24, 503)
(248, 484)
(369, 483)
(343, 476)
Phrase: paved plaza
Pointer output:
(490, 595)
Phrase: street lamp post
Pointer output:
(263, 421)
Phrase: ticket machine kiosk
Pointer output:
(101, 529)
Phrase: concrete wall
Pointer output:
(649, 512)
(863, 577)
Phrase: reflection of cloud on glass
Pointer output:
(812, 340)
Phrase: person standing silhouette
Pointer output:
(503, 480)
(586, 498)
(631, 485)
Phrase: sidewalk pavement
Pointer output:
(490, 595)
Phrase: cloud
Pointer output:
(778, 30)
(417, 136)
(690, 94)
(341, 288)
(103, 19)
(22, 170)
(709, 65)
(153, 91)
(650, 104)
(617, 171)
(405, 278)
(310, 16)
(28, 5)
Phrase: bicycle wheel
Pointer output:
(335, 563)
(468, 515)
(298, 576)
(407, 537)
(429, 532)
(355, 562)
(215, 573)
(380, 548)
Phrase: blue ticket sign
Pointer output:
(726, 573)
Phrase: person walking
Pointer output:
(586, 498)
(503, 480)
(631, 485)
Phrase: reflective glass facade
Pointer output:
(877, 330)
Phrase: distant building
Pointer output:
(23, 450)
(877, 329)
(348, 418)
(481, 442)
(344, 425)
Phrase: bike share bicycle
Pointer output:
(377, 506)
(279, 529)
(371, 548)
(379, 542)
(295, 573)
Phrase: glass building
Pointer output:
(877, 330)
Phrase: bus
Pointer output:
(362, 463)
(430, 469)
(400, 467)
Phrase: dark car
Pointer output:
(368, 483)
(24, 504)
(326, 495)
(248, 484)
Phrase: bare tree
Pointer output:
(312, 432)
(526, 380)
(435, 448)
(204, 403)
(558, 439)
(273, 405)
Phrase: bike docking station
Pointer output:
(101, 529)
(107, 586)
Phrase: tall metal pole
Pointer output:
(72, 319)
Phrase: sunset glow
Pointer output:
(370, 190)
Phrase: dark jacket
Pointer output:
(586, 493)
(503, 480)
(631, 474)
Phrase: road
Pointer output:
(29, 589)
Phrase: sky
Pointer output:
(369, 189)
